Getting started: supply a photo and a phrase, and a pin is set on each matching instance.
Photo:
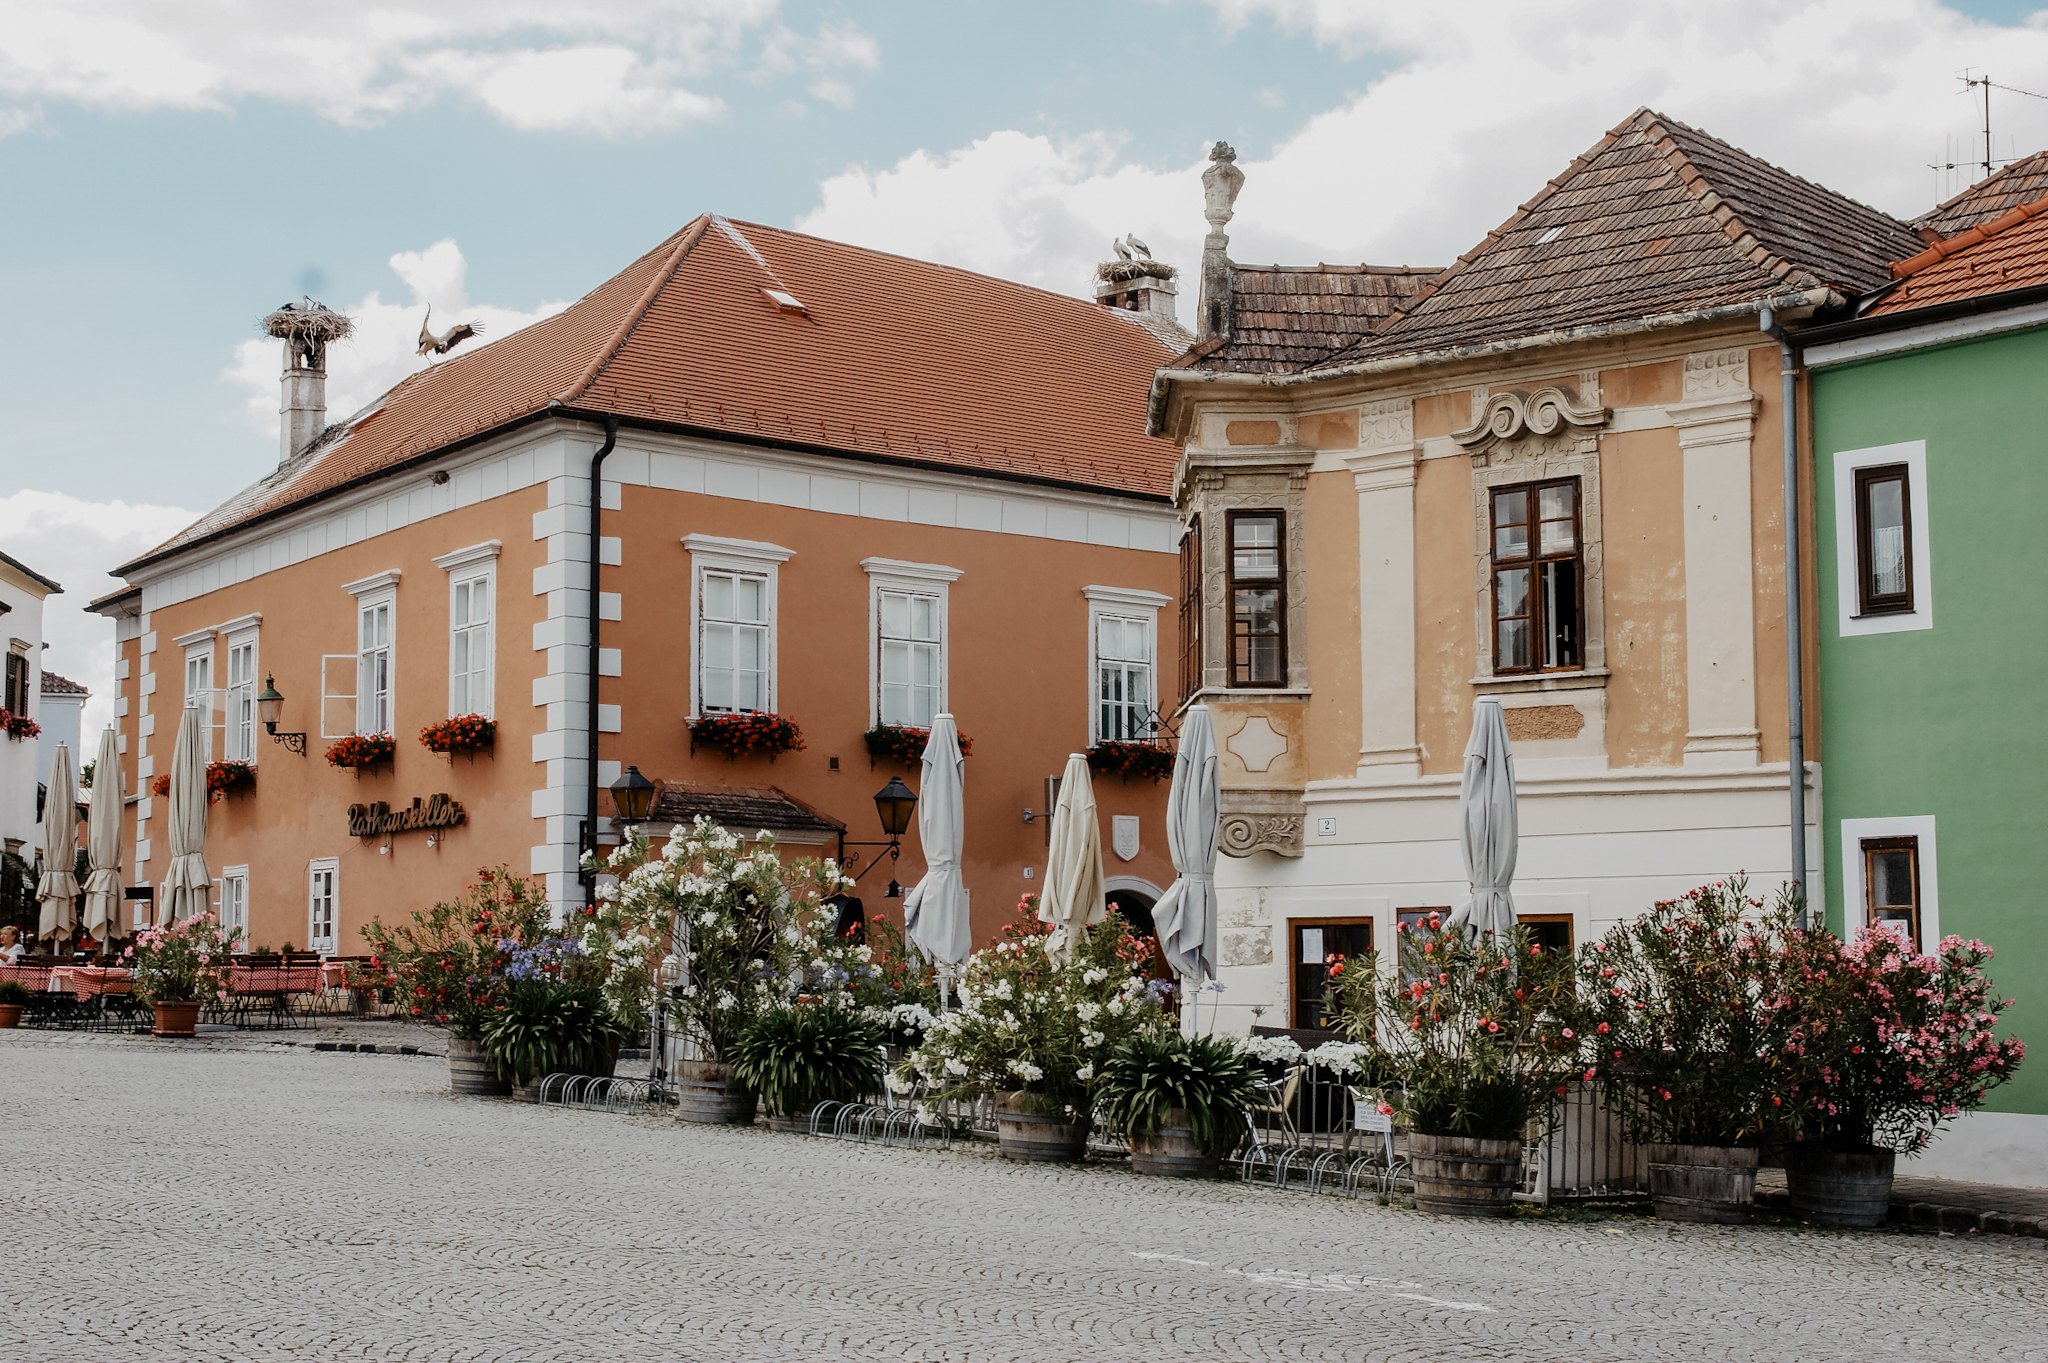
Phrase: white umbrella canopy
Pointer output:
(935, 915)
(1072, 901)
(103, 842)
(1487, 833)
(58, 888)
(1185, 915)
(188, 889)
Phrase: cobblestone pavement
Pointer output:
(200, 1200)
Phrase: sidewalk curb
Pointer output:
(1935, 1216)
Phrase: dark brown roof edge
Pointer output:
(15, 563)
(1916, 317)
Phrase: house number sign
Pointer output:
(438, 811)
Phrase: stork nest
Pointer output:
(310, 321)
(1117, 271)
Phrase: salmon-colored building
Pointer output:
(837, 486)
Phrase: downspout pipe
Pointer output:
(1795, 690)
(588, 838)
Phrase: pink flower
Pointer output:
(1568, 1034)
(1588, 1075)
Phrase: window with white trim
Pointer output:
(1884, 577)
(907, 614)
(1123, 647)
(1890, 877)
(734, 588)
(199, 676)
(234, 903)
(239, 744)
(472, 628)
(322, 900)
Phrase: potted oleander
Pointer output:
(1680, 1016)
(179, 968)
(1180, 1100)
(800, 1055)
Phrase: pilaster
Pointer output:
(1384, 477)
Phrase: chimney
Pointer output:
(1135, 282)
(305, 328)
(1220, 183)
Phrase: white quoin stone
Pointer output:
(302, 406)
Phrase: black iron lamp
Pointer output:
(895, 803)
(269, 702)
(633, 797)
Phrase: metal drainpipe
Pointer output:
(589, 837)
(1795, 698)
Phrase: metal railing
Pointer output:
(1580, 1155)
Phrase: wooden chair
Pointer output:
(1276, 1101)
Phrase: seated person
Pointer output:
(11, 949)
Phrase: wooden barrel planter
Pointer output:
(797, 1122)
(1463, 1175)
(1034, 1138)
(469, 1072)
(1714, 1184)
(176, 1019)
(1833, 1188)
(709, 1093)
(1172, 1152)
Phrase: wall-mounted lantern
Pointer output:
(269, 704)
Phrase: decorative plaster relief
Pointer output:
(1123, 835)
(1257, 744)
(1716, 373)
(1547, 411)
(1383, 425)
(1240, 835)
(1534, 723)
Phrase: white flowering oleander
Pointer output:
(1025, 1070)
(1341, 1057)
(897, 1083)
(956, 1066)
(1087, 1011)
(1095, 974)
(1087, 1071)
(1283, 1049)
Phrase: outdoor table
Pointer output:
(334, 974)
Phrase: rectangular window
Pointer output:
(1884, 541)
(234, 903)
(1553, 933)
(732, 614)
(469, 646)
(373, 666)
(1891, 884)
(1191, 610)
(913, 661)
(1123, 678)
(320, 903)
(1258, 599)
(1536, 577)
(199, 678)
(1315, 942)
(240, 744)
(17, 684)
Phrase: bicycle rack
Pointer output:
(598, 1092)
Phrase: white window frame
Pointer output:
(1128, 603)
(199, 650)
(921, 579)
(1855, 893)
(239, 701)
(477, 563)
(329, 866)
(234, 896)
(754, 558)
(370, 594)
(1913, 454)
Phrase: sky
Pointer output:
(173, 169)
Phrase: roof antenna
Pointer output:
(1970, 84)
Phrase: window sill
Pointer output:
(1209, 693)
(1905, 614)
(1588, 679)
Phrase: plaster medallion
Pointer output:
(1257, 744)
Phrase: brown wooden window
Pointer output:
(1884, 541)
(1553, 933)
(1891, 884)
(17, 684)
(1258, 599)
(1191, 610)
(1315, 941)
(1536, 592)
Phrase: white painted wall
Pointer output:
(18, 772)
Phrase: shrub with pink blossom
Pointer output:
(182, 962)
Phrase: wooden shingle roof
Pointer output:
(2022, 182)
(1286, 317)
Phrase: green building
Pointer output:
(1930, 480)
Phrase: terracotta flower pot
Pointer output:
(10, 1015)
(176, 1019)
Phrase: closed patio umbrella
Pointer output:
(103, 843)
(1487, 831)
(59, 888)
(1073, 865)
(188, 889)
(1185, 915)
(935, 911)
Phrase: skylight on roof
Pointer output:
(1552, 235)
(785, 302)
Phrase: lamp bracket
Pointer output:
(292, 742)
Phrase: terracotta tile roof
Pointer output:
(2021, 182)
(1286, 317)
(54, 685)
(2008, 252)
(889, 359)
(1655, 218)
(743, 809)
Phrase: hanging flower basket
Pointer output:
(751, 734)
(1117, 758)
(358, 751)
(228, 778)
(904, 743)
(463, 733)
(19, 726)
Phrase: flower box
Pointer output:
(19, 726)
(358, 751)
(904, 743)
(1118, 758)
(229, 778)
(161, 785)
(747, 734)
(461, 733)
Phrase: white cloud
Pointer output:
(381, 352)
(625, 66)
(74, 542)
(1483, 103)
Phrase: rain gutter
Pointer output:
(1795, 690)
(586, 839)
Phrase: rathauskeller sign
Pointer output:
(367, 821)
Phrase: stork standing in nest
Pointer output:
(430, 344)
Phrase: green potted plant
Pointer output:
(1886, 1046)
(1480, 1050)
(180, 967)
(14, 997)
(1179, 1099)
(550, 1020)
(1680, 1014)
(798, 1056)
(446, 965)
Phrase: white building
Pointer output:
(22, 591)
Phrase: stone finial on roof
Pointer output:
(1220, 184)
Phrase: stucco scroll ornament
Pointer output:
(1513, 414)
(1240, 835)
